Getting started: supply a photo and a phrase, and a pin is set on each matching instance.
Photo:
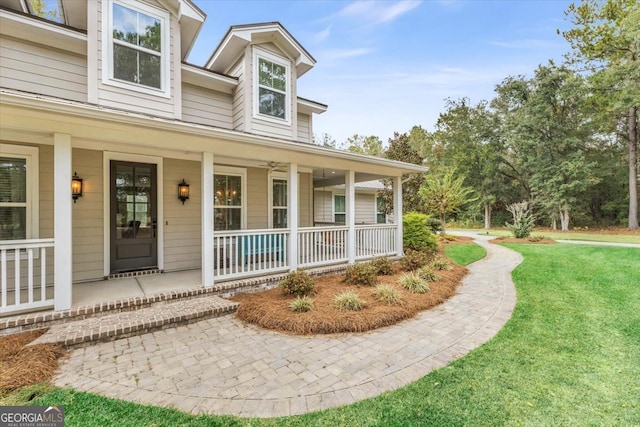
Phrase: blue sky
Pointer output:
(385, 66)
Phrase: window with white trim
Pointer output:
(136, 47)
(229, 200)
(272, 97)
(381, 208)
(278, 202)
(339, 209)
(18, 192)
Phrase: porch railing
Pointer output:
(375, 240)
(322, 246)
(23, 275)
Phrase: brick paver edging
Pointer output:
(222, 366)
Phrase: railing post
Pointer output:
(397, 212)
(63, 262)
(207, 229)
(292, 217)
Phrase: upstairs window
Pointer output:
(137, 51)
(272, 87)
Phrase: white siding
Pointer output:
(206, 106)
(257, 198)
(304, 128)
(239, 96)
(181, 222)
(365, 208)
(33, 68)
(304, 204)
(323, 206)
(88, 217)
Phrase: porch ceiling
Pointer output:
(29, 118)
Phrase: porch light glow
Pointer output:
(76, 187)
(183, 191)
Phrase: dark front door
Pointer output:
(133, 216)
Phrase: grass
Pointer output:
(568, 356)
(466, 253)
(571, 235)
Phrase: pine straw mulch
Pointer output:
(270, 309)
(23, 365)
(533, 240)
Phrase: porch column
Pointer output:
(207, 229)
(292, 216)
(62, 231)
(397, 212)
(350, 214)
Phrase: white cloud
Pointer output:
(377, 12)
(329, 55)
(526, 44)
(323, 35)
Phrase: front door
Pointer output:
(133, 216)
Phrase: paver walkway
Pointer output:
(222, 366)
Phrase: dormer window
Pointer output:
(272, 100)
(136, 54)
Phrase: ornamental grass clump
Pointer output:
(364, 274)
(441, 264)
(301, 304)
(298, 283)
(348, 301)
(383, 266)
(414, 283)
(414, 260)
(387, 294)
(427, 274)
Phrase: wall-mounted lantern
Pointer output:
(183, 191)
(76, 187)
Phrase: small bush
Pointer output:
(348, 300)
(301, 304)
(416, 234)
(440, 264)
(361, 274)
(298, 283)
(414, 283)
(383, 266)
(387, 294)
(427, 274)
(523, 221)
(434, 224)
(414, 260)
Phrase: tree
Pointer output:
(325, 140)
(606, 40)
(371, 145)
(445, 194)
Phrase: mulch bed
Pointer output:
(532, 240)
(22, 366)
(270, 309)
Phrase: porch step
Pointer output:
(137, 322)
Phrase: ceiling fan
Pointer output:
(275, 166)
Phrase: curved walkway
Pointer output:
(222, 366)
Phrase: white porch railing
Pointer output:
(375, 240)
(250, 252)
(322, 246)
(23, 275)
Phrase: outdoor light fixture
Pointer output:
(183, 191)
(76, 187)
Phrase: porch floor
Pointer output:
(89, 293)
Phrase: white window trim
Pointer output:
(260, 53)
(281, 176)
(333, 206)
(107, 47)
(31, 155)
(242, 173)
(375, 211)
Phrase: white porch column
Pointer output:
(292, 215)
(62, 231)
(397, 212)
(350, 214)
(207, 229)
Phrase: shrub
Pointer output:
(535, 239)
(523, 221)
(387, 294)
(298, 283)
(414, 260)
(383, 265)
(414, 283)
(427, 274)
(440, 264)
(416, 234)
(348, 300)
(361, 274)
(301, 304)
(434, 224)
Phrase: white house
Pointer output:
(101, 92)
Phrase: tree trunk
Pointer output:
(554, 224)
(564, 219)
(633, 168)
(487, 216)
(444, 224)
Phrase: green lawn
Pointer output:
(466, 253)
(571, 235)
(568, 356)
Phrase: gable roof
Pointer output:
(239, 36)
